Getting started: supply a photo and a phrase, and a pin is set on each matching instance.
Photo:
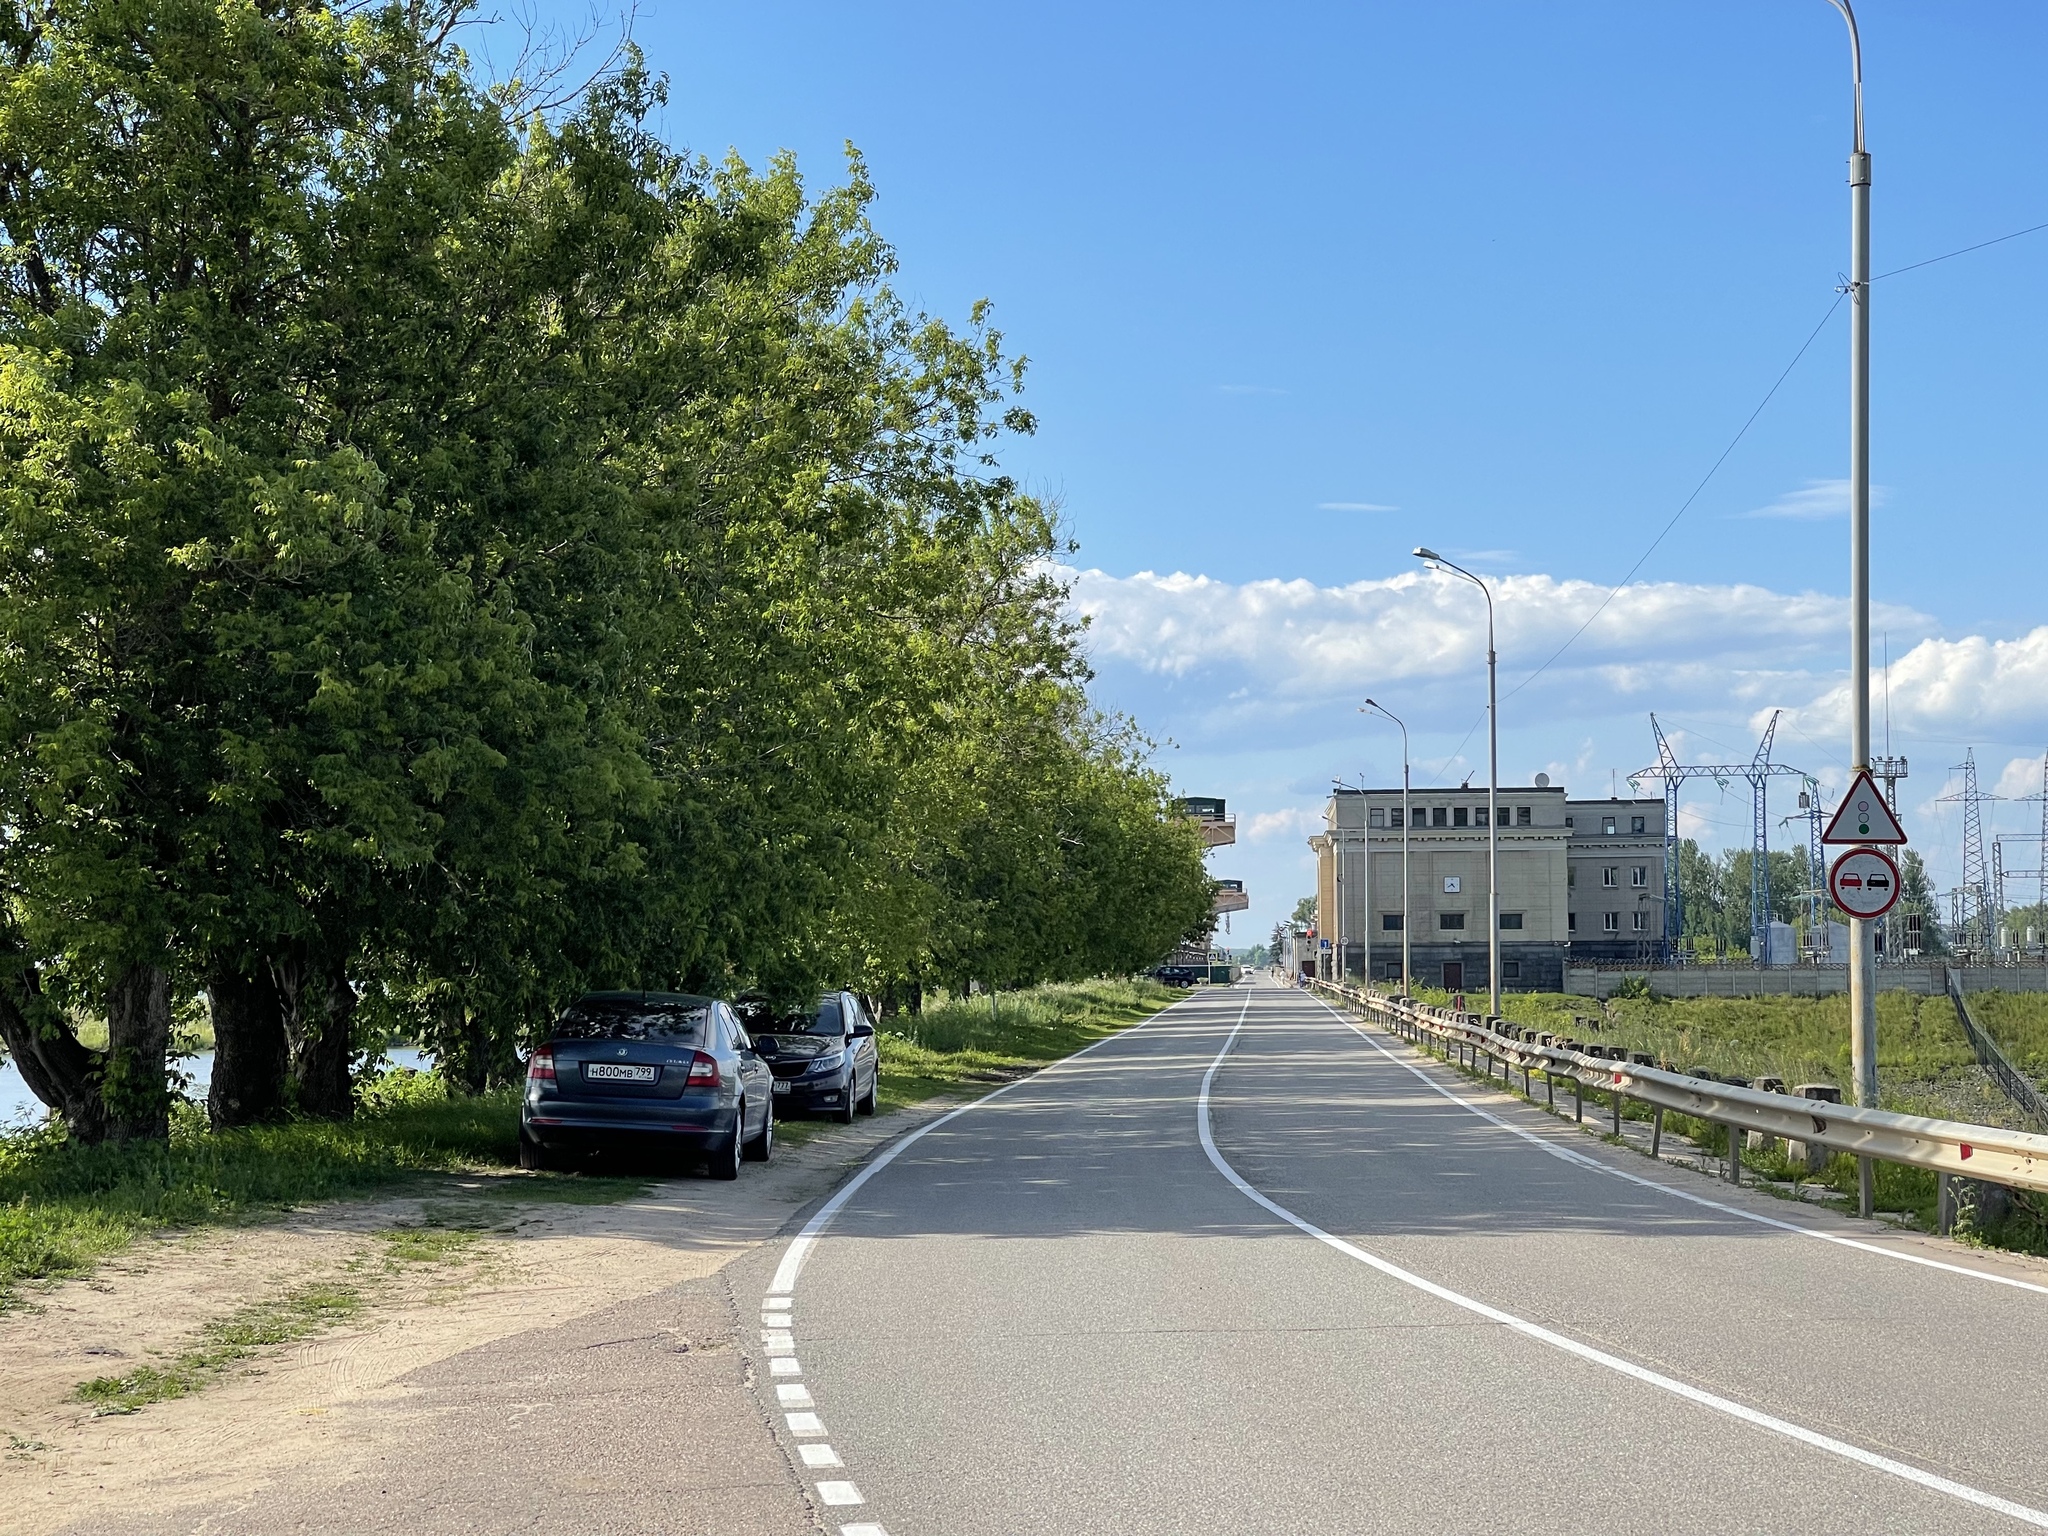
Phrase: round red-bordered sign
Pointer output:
(1864, 883)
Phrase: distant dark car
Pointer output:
(648, 1071)
(1179, 975)
(824, 1058)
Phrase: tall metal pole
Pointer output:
(1862, 934)
(1407, 977)
(1492, 782)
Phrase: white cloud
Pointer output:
(1816, 501)
(1956, 690)
(2020, 779)
(1353, 506)
(1266, 826)
(1293, 646)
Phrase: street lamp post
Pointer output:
(1407, 980)
(1492, 780)
(1862, 935)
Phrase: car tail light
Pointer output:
(540, 1066)
(703, 1072)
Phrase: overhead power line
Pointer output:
(2031, 229)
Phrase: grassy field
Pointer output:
(63, 1207)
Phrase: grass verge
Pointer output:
(63, 1206)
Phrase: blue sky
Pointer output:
(1304, 286)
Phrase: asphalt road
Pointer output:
(1302, 1286)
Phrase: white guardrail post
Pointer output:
(1947, 1148)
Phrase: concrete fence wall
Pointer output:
(1805, 981)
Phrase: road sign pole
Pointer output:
(1862, 936)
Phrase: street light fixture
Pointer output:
(1407, 980)
(1438, 562)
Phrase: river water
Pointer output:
(19, 1107)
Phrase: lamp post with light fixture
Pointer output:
(1437, 562)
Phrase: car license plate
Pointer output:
(782, 1085)
(616, 1072)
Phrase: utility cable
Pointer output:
(2032, 229)
(1663, 533)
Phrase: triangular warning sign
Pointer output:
(1864, 817)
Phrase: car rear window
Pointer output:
(680, 1023)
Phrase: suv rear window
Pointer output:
(681, 1023)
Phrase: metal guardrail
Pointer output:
(2015, 1158)
(2015, 1084)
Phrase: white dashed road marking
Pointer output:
(777, 1341)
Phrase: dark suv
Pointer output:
(824, 1058)
(667, 1070)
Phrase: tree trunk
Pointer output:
(250, 1055)
(319, 1013)
(64, 1074)
(460, 1047)
(138, 1103)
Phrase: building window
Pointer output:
(1571, 877)
(1641, 923)
(1390, 970)
(1567, 821)
(1635, 825)
(1610, 875)
(1439, 816)
(1376, 817)
(1450, 920)
(1511, 970)
(1459, 817)
(1479, 816)
(1571, 922)
(1521, 816)
(1390, 922)
(1640, 875)
(1510, 920)
(1610, 922)
(1418, 817)
(1607, 826)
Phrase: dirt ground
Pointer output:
(475, 1259)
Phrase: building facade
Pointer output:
(1615, 880)
(1579, 880)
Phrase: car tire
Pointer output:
(759, 1149)
(532, 1155)
(725, 1162)
(844, 1114)
(867, 1104)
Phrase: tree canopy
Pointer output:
(451, 558)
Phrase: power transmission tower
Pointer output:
(2039, 873)
(1816, 871)
(1972, 907)
(1888, 770)
(1759, 771)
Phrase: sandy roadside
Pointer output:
(326, 1406)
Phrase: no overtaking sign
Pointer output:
(1864, 883)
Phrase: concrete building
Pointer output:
(1615, 880)
(1574, 875)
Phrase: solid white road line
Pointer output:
(1572, 1156)
(1692, 1394)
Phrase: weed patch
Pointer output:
(296, 1314)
